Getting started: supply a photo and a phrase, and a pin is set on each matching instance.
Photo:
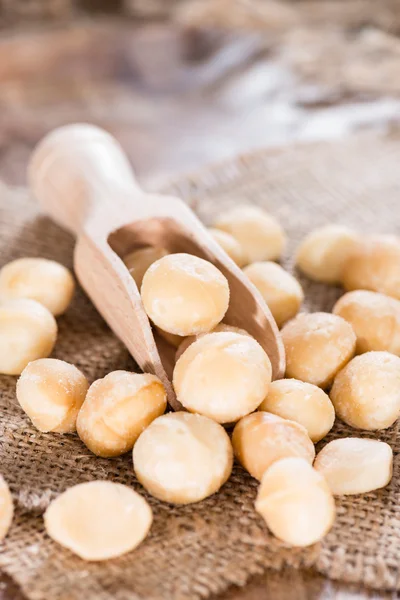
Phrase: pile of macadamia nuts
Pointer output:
(222, 378)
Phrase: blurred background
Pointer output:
(182, 83)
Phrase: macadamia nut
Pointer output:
(303, 403)
(184, 294)
(323, 252)
(223, 376)
(317, 346)
(366, 393)
(45, 281)
(98, 520)
(355, 465)
(261, 438)
(171, 338)
(140, 260)
(51, 392)
(184, 345)
(295, 502)
(6, 509)
(375, 319)
(183, 458)
(280, 290)
(117, 409)
(230, 245)
(260, 235)
(28, 331)
(374, 265)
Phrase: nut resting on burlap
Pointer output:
(198, 550)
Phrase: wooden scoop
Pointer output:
(83, 180)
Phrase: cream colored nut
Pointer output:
(171, 338)
(374, 265)
(6, 509)
(184, 294)
(317, 346)
(45, 281)
(229, 244)
(259, 234)
(98, 520)
(117, 409)
(295, 502)
(184, 345)
(183, 458)
(355, 465)
(366, 393)
(223, 376)
(140, 260)
(280, 290)
(51, 392)
(303, 403)
(375, 319)
(323, 252)
(27, 331)
(262, 438)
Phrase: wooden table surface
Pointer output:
(179, 99)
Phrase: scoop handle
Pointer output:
(77, 170)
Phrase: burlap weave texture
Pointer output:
(196, 551)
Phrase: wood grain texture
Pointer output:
(84, 182)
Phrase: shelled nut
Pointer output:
(296, 503)
(183, 458)
(355, 465)
(51, 392)
(117, 409)
(98, 520)
(260, 439)
(28, 331)
(184, 295)
(260, 236)
(317, 346)
(366, 393)
(303, 403)
(280, 290)
(223, 376)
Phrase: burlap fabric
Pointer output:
(197, 551)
